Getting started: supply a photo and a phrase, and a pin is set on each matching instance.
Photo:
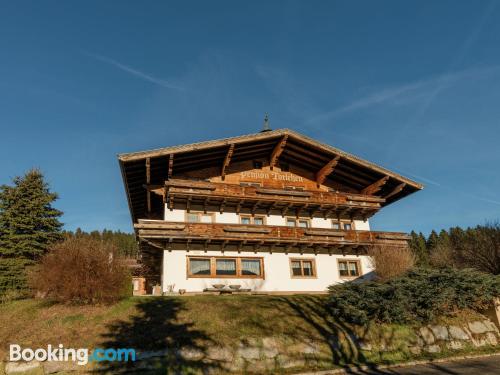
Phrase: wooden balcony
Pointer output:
(209, 196)
(257, 238)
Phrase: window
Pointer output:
(294, 222)
(349, 268)
(257, 164)
(199, 266)
(284, 167)
(255, 184)
(199, 217)
(255, 220)
(345, 225)
(296, 188)
(250, 267)
(225, 267)
(193, 218)
(303, 268)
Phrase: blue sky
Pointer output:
(413, 86)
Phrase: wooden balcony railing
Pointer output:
(209, 196)
(230, 237)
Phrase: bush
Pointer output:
(81, 270)
(420, 295)
(390, 262)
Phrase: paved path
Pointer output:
(480, 366)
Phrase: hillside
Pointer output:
(202, 332)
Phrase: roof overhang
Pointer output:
(300, 150)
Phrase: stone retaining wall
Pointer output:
(270, 354)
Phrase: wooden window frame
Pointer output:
(313, 263)
(252, 219)
(349, 260)
(213, 274)
(199, 213)
(297, 222)
(342, 222)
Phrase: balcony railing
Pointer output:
(230, 237)
(210, 196)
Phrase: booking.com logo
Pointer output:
(81, 356)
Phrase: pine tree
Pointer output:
(28, 225)
(419, 248)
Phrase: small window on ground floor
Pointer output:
(303, 267)
(349, 268)
(199, 266)
(225, 267)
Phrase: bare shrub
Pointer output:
(443, 256)
(391, 262)
(81, 270)
(480, 249)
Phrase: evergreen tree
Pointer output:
(419, 248)
(28, 225)
(432, 241)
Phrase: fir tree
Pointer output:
(28, 225)
(419, 248)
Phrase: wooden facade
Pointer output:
(281, 173)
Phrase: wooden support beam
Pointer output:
(170, 166)
(222, 206)
(327, 169)
(188, 204)
(375, 187)
(227, 160)
(396, 190)
(148, 182)
(278, 149)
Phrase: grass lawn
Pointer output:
(200, 322)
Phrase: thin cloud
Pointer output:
(134, 72)
(446, 187)
(426, 89)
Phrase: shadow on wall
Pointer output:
(344, 345)
(162, 344)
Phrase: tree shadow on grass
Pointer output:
(162, 343)
(344, 343)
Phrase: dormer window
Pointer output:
(284, 167)
(257, 164)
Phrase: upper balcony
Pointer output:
(237, 237)
(211, 196)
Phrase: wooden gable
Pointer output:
(276, 159)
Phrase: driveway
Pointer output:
(481, 366)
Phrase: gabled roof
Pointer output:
(300, 150)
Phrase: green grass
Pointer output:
(156, 323)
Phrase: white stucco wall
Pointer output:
(233, 218)
(277, 276)
(276, 265)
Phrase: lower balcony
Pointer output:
(257, 238)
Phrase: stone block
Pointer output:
(458, 333)
(477, 327)
(491, 338)
(415, 350)
(20, 367)
(249, 352)
(454, 345)
(427, 335)
(270, 347)
(490, 326)
(440, 332)
(432, 349)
